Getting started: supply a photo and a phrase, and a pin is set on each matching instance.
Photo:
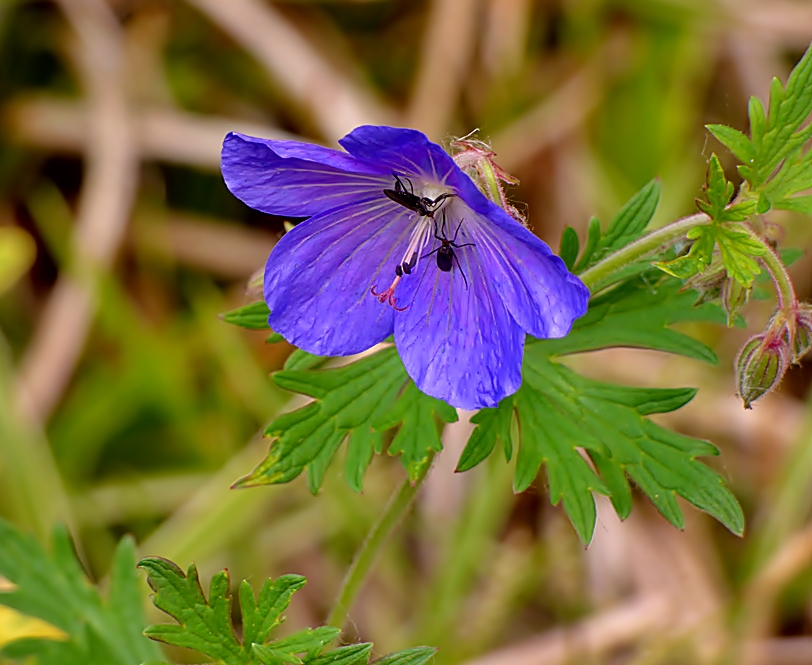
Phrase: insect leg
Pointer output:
(462, 272)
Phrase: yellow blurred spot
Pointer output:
(15, 626)
(17, 252)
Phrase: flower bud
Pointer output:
(708, 283)
(802, 338)
(760, 366)
(734, 296)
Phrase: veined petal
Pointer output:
(319, 275)
(403, 151)
(298, 179)
(540, 293)
(313, 153)
(458, 342)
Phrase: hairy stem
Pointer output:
(787, 302)
(600, 275)
(375, 540)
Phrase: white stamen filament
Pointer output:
(418, 241)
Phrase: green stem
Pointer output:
(599, 276)
(375, 540)
(787, 301)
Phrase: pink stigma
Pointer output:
(388, 296)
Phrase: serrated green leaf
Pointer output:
(683, 267)
(631, 220)
(354, 654)
(737, 249)
(414, 412)
(493, 427)
(310, 641)
(303, 360)
(794, 176)
(124, 602)
(414, 656)
(758, 122)
(568, 249)
(638, 314)
(734, 141)
(548, 436)
(718, 190)
(363, 443)
(802, 204)
(261, 615)
(205, 624)
(560, 411)
(789, 108)
(592, 241)
(347, 398)
(53, 587)
(615, 479)
(764, 204)
(253, 316)
(739, 212)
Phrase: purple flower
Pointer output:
(400, 240)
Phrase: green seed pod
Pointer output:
(760, 366)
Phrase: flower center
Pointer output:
(429, 199)
(420, 237)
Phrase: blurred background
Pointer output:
(127, 406)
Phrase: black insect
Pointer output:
(445, 252)
(422, 205)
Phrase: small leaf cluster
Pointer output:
(358, 402)
(205, 624)
(738, 249)
(588, 435)
(625, 227)
(776, 161)
(52, 587)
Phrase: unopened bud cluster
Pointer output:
(765, 358)
(714, 284)
(760, 366)
(476, 159)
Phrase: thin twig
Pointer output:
(103, 211)
(587, 639)
(225, 250)
(336, 103)
(444, 61)
(162, 134)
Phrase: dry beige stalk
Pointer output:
(111, 172)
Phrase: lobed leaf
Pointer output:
(493, 427)
(52, 587)
(568, 248)
(626, 226)
(632, 219)
(362, 400)
(253, 316)
(639, 314)
(205, 624)
(608, 423)
(734, 141)
(592, 241)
